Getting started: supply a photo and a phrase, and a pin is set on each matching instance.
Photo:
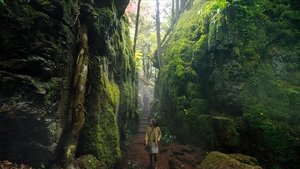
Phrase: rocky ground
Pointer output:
(178, 156)
(10, 165)
(171, 156)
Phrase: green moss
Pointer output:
(249, 52)
(201, 44)
(104, 16)
(113, 93)
(243, 63)
(226, 134)
(89, 162)
(274, 139)
(112, 100)
(199, 106)
(268, 94)
(180, 79)
(190, 123)
(106, 134)
(220, 160)
(244, 159)
(291, 15)
(193, 89)
(101, 129)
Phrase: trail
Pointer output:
(136, 157)
(170, 156)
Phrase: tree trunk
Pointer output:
(158, 34)
(177, 7)
(173, 10)
(66, 149)
(144, 64)
(136, 25)
(182, 5)
(168, 35)
(148, 69)
(80, 80)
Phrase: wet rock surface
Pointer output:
(36, 49)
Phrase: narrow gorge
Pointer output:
(223, 83)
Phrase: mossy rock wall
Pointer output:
(37, 53)
(239, 60)
(39, 48)
(111, 101)
(209, 132)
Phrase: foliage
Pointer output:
(146, 42)
(138, 59)
(167, 137)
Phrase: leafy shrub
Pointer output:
(167, 136)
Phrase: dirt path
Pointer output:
(171, 156)
(137, 158)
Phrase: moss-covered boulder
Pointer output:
(235, 161)
(226, 137)
(89, 162)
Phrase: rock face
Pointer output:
(184, 156)
(213, 132)
(113, 96)
(39, 46)
(230, 79)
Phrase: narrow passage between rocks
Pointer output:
(171, 156)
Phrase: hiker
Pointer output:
(152, 139)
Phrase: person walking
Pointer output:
(152, 139)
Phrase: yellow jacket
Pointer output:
(152, 134)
